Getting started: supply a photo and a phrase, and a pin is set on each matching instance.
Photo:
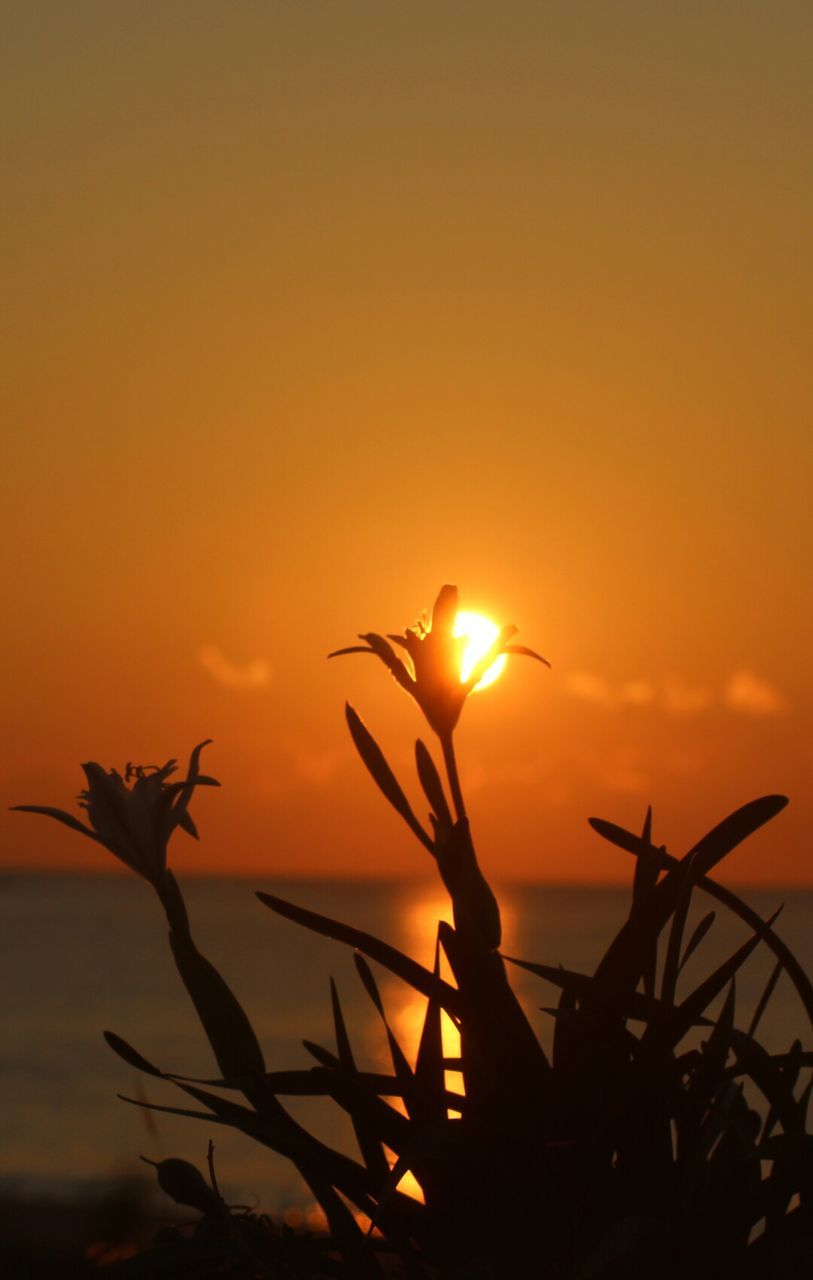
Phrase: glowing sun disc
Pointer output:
(480, 634)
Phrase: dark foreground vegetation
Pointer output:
(659, 1139)
(43, 1238)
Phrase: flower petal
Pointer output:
(176, 813)
(527, 653)
(171, 766)
(445, 609)
(499, 646)
(186, 823)
(201, 781)
(109, 807)
(384, 650)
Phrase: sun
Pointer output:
(480, 633)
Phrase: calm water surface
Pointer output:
(85, 953)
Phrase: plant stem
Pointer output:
(447, 742)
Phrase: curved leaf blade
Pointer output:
(432, 785)
(67, 819)
(382, 775)
(401, 965)
(229, 1031)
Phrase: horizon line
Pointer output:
(113, 872)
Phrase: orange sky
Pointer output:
(309, 309)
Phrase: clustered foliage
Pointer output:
(660, 1139)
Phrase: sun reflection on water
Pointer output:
(420, 919)
(421, 910)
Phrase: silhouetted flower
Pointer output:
(134, 816)
(431, 673)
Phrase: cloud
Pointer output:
(752, 695)
(679, 699)
(234, 675)
(637, 693)
(684, 762)
(318, 767)
(590, 687)
(744, 692)
(293, 763)
(623, 770)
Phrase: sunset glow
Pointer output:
(480, 633)
(353, 354)
(516, 302)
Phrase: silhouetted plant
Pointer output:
(634, 1151)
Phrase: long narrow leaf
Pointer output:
(762, 1003)
(647, 865)
(623, 964)
(402, 966)
(369, 1145)
(633, 1004)
(697, 937)
(403, 1071)
(704, 1081)
(137, 1060)
(60, 815)
(671, 965)
(523, 651)
(176, 812)
(738, 826)
(383, 776)
(229, 1031)
(131, 1056)
(677, 1022)
(714, 846)
(381, 1120)
(645, 878)
(429, 1105)
(432, 785)
(280, 1131)
(630, 842)
(323, 1056)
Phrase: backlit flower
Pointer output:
(430, 669)
(134, 815)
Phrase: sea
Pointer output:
(84, 953)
